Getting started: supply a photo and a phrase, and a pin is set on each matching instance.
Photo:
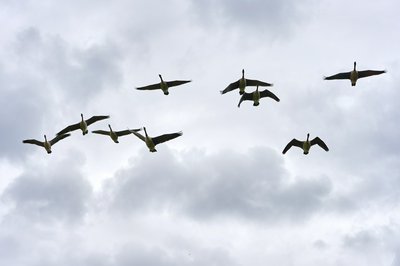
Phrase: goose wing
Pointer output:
(125, 132)
(367, 73)
(34, 141)
(344, 75)
(140, 136)
(101, 132)
(96, 118)
(293, 142)
(69, 129)
(176, 82)
(150, 87)
(165, 137)
(267, 93)
(253, 82)
(231, 87)
(58, 137)
(245, 97)
(320, 143)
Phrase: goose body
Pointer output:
(256, 95)
(46, 143)
(306, 145)
(114, 134)
(163, 85)
(83, 124)
(354, 75)
(151, 142)
(242, 83)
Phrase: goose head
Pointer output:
(45, 138)
(308, 136)
(160, 77)
(109, 126)
(355, 65)
(145, 132)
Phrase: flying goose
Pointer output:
(354, 75)
(305, 145)
(83, 124)
(256, 95)
(114, 134)
(163, 85)
(242, 83)
(46, 144)
(151, 142)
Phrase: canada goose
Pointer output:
(354, 75)
(114, 134)
(151, 142)
(46, 144)
(256, 95)
(305, 145)
(163, 85)
(83, 124)
(242, 83)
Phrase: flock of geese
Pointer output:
(240, 84)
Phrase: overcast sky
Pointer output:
(223, 193)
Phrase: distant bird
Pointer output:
(46, 144)
(164, 85)
(256, 95)
(242, 83)
(305, 145)
(114, 134)
(152, 142)
(354, 75)
(83, 124)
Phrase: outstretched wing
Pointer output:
(58, 137)
(176, 82)
(293, 142)
(367, 73)
(267, 93)
(140, 136)
(96, 118)
(253, 82)
(101, 132)
(245, 97)
(320, 143)
(344, 75)
(150, 87)
(165, 137)
(69, 129)
(34, 141)
(231, 87)
(125, 132)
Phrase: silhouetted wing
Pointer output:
(101, 132)
(320, 143)
(59, 137)
(165, 137)
(231, 87)
(293, 142)
(253, 82)
(69, 129)
(176, 82)
(140, 136)
(245, 97)
(344, 75)
(123, 132)
(367, 73)
(96, 118)
(267, 93)
(150, 87)
(34, 141)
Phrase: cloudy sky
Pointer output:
(223, 193)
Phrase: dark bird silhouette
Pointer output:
(242, 83)
(151, 142)
(164, 85)
(354, 75)
(46, 144)
(83, 124)
(256, 95)
(114, 134)
(305, 145)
